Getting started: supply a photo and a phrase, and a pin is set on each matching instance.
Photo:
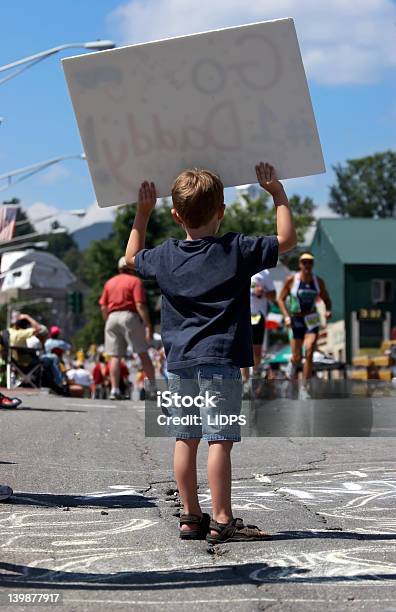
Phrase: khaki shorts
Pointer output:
(124, 328)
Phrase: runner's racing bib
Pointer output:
(312, 320)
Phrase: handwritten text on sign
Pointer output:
(221, 100)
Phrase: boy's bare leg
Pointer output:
(185, 468)
(219, 478)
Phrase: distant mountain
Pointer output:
(96, 231)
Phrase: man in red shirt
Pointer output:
(123, 305)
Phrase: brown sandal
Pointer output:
(200, 532)
(235, 531)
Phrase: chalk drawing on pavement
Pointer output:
(366, 496)
(356, 563)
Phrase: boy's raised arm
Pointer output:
(145, 206)
(287, 237)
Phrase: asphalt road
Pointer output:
(91, 517)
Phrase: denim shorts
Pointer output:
(221, 385)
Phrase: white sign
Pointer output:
(221, 100)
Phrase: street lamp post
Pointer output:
(27, 62)
(57, 230)
(78, 212)
(23, 173)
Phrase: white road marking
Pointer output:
(91, 405)
(352, 486)
(110, 494)
(297, 493)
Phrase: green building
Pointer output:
(357, 260)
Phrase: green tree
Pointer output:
(74, 259)
(160, 227)
(65, 248)
(258, 217)
(249, 216)
(303, 215)
(100, 263)
(91, 333)
(59, 244)
(365, 187)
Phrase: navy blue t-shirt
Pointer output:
(205, 286)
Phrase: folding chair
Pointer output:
(24, 375)
(19, 374)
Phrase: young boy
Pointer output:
(205, 325)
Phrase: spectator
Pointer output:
(3, 362)
(34, 342)
(124, 385)
(92, 351)
(262, 289)
(140, 384)
(100, 378)
(79, 380)
(24, 327)
(9, 402)
(54, 344)
(80, 355)
(123, 305)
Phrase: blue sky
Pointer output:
(349, 55)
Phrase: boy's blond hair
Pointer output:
(197, 195)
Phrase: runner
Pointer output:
(301, 292)
(262, 289)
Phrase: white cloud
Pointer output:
(39, 210)
(54, 174)
(302, 183)
(93, 214)
(326, 212)
(342, 41)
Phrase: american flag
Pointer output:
(8, 216)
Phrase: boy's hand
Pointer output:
(147, 198)
(267, 178)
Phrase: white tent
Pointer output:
(30, 269)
